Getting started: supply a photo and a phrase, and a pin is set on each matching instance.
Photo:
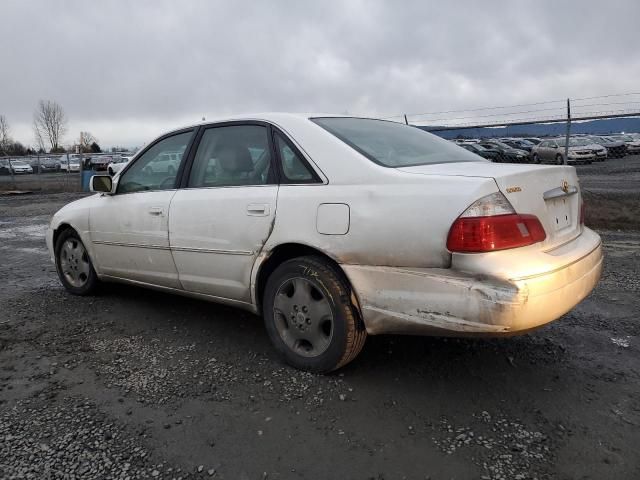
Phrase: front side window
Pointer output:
(294, 168)
(232, 156)
(393, 144)
(156, 168)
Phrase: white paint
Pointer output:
(332, 219)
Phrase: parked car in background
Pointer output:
(507, 152)
(600, 153)
(553, 151)
(100, 163)
(117, 164)
(70, 164)
(633, 144)
(18, 167)
(489, 154)
(4, 167)
(615, 148)
(534, 140)
(44, 165)
(519, 144)
(167, 162)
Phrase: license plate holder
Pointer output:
(560, 210)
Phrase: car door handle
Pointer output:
(258, 209)
(158, 211)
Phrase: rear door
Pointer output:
(219, 222)
(129, 230)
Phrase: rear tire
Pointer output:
(73, 264)
(536, 158)
(310, 317)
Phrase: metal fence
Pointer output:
(52, 173)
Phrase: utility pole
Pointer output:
(79, 150)
(566, 145)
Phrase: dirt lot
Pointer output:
(137, 384)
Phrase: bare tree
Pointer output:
(86, 139)
(49, 124)
(5, 136)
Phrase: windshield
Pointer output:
(393, 144)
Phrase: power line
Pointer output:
(529, 111)
(550, 118)
(531, 122)
(513, 106)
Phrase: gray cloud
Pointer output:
(128, 70)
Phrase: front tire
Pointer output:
(559, 159)
(310, 317)
(73, 264)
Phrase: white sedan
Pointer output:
(117, 164)
(333, 228)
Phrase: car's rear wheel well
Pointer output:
(285, 252)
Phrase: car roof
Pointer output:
(270, 117)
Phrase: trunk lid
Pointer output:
(551, 193)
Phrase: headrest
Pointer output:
(235, 158)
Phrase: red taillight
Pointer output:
(582, 213)
(498, 232)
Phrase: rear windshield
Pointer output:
(393, 144)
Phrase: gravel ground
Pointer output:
(138, 384)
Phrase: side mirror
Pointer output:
(101, 184)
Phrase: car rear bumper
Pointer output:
(446, 302)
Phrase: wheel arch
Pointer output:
(286, 251)
(59, 229)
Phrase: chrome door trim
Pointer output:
(133, 245)
(211, 250)
(174, 249)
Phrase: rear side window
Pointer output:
(232, 156)
(294, 168)
(392, 144)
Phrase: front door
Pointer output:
(129, 230)
(220, 221)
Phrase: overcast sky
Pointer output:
(126, 71)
